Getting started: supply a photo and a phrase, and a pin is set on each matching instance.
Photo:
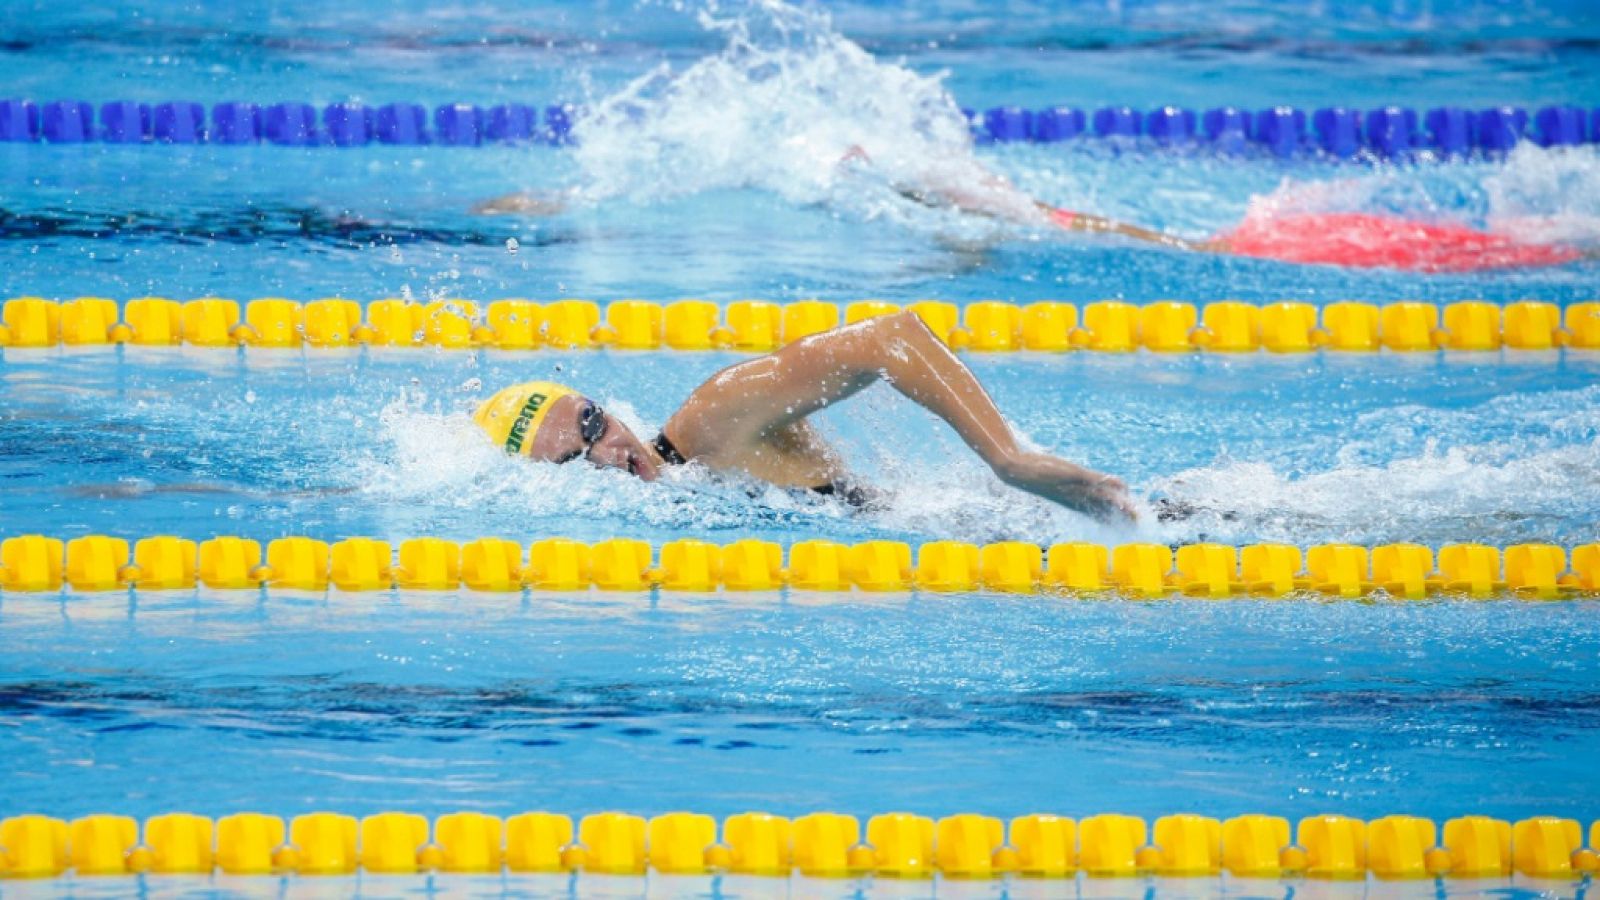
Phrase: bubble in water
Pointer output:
(512, 246)
(471, 384)
(249, 396)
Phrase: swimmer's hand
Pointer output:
(1085, 490)
(524, 204)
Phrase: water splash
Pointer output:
(1536, 194)
(791, 107)
(1547, 195)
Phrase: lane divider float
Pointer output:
(1337, 132)
(756, 326)
(818, 845)
(36, 563)
(283, 124)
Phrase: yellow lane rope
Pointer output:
(759, 326)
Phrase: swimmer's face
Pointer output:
(577, 428)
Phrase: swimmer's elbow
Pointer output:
(906, 320)
(886, 346)
(888, 334)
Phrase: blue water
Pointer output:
(216, 702)
(363, 703)
(1138, 52)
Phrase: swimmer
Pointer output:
(751, 419)
(1359, 240)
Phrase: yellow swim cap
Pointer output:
(511, 417)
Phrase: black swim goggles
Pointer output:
(592, 425)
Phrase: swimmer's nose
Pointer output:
(619, 449)
(609, 453)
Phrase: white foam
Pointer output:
(1496, 491)
(961, 500)
(1535, 193)
(778, 109)
(1547, 194)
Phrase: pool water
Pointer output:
(719, 182)
(792, 702)
(721, 704)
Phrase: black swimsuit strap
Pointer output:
(668, 452)
(851, 494)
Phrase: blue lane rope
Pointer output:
(1339, 132)
(285, 124)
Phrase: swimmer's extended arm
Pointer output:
(1076, 221)
(528, 203)
(992, 194)
(744, 403)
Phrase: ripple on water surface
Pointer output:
(362, 702)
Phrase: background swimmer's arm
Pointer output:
(1076, 221)
(976, 189)
(524, 204)
(993, 195)
(745, 402)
